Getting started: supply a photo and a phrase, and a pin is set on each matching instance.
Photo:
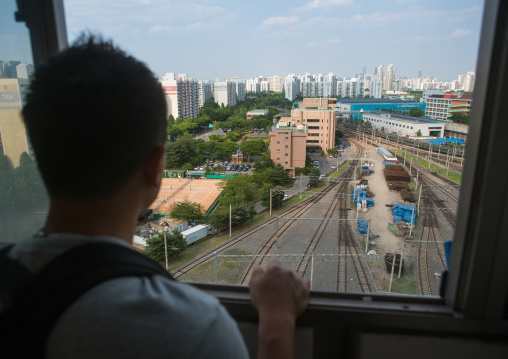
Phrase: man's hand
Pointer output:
(280, 296)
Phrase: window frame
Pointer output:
(475, 301)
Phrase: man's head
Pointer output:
(94, 115)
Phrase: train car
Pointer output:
(387, 155)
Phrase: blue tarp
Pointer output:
(442, 141)
(371, 171)
(388, 163)
(359, 196)
(403, 211)
(363, 228)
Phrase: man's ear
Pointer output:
(154, 166)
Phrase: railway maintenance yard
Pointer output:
(319, 236)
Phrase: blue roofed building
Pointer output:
(352, 108)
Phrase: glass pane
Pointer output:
(23, 200)
(342, 214)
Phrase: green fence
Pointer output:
(212, 207)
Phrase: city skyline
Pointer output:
(217, 39)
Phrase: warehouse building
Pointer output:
(405, 125)
(354, 107)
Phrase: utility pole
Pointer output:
(276, 231)
(367, 243)
(417, 173)
(311, 268)
(401, 259)
(230, 219)
(420, 196)
(412, 220)
(165, 249)
(271, 202)
(215, 266)
(301, 184)
(393, 269)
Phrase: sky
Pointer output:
(210, 39)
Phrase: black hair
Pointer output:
(93, 115)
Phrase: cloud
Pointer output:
(334, 41)
(312, 43)
(461, 33)
(280, 20)
(197, 26)
(323, 4)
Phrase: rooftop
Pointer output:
(294, 129)
(373, 100)
(411, 119)
(467, 97)
(261, 111)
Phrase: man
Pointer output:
(97, 119)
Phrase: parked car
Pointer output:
(201, 168)
(196, 168)
(228, 168)
(245, 169)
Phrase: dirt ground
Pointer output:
(380, 215)
(202, 191)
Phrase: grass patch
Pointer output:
(433, 167)
(406, 284)
(342, 168)
(228, 272)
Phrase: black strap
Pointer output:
(26, 324)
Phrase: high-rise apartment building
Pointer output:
(264, 86)
(224, 93)
(376, 87)
(182, 95)
(13, 136)
(204, 92)
(239, 89)
(292, 86)
(24, 71)
(389, 78)
(252, 85)
(469, 82)
(330, 85)
(276, 84)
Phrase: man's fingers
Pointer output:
(306, 282)
(258, 271)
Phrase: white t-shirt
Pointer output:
(133, 317)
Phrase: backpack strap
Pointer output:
(26, 324)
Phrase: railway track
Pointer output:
(348, 244)
(430, 246)
(455, 159)
(291, 211)
(455, 163)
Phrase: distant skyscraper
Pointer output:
(291, 87)
(276, 84)
(204, 92)
(264, 86)
(389, 78)
(420, 73)
(24, 71)
(469, 82)
(224, 93)
(239, 89)
(182, 95)
(376, 87)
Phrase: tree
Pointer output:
(314, 176)
(419, 133)
(236, 190)
(187, 210)
(25, 160)
(331, 151)
(187, 167)
(253, 148)
(277, 196)
(155, 248)
(416, 112)
(276, 175)
(460, 117)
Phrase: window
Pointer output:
(480, 286)
(278, 142)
